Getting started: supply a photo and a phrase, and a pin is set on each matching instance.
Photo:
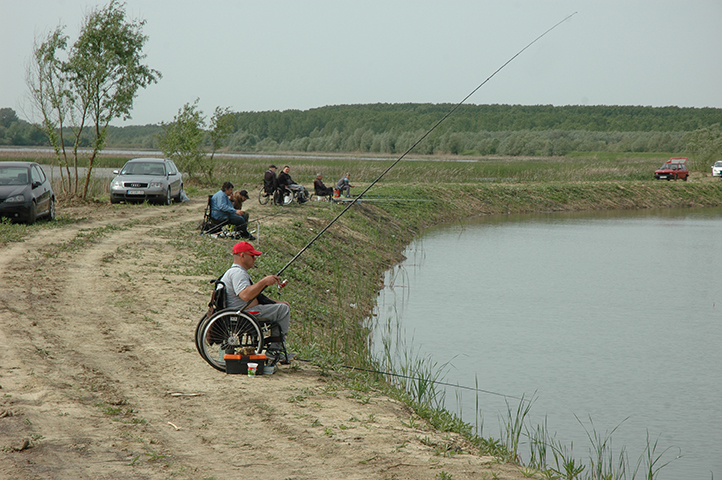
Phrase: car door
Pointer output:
(40, 189)
(174, 178)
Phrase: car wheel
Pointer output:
(51, 210)
(179, 198)
(168, 197)
(685, 178)
(114, 200)
(33, 214)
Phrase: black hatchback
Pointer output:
(25, 192)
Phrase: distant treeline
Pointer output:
(472, 129)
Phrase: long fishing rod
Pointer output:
(428, 132)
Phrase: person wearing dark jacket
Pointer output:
(321, 189)
(285, 180)
(270, 182)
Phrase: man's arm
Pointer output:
(252, 291)
(221, 203)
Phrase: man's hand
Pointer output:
(270, 280)
(240, 212)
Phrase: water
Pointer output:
(614, 319)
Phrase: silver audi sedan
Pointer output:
(147, 179)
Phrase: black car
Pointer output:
(25, 192)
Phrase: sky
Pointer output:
(294, 54)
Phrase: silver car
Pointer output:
(147, 179)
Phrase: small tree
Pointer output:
(95, 84)
(182, 139)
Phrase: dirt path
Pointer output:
(100, 377)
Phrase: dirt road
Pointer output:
(100, 378)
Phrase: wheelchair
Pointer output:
(281, 196)
(229, 330)
(263, 196)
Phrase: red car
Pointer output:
(674, 168)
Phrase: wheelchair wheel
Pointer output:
(263, 197)
(226, 329)
(289, 197)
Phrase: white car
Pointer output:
(717, 168)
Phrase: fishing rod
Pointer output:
(428, 132)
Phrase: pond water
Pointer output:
(607, 320)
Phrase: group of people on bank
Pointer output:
(227, 205)
(272, 183)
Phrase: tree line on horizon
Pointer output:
(538, 130)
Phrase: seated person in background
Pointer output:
(344, 185)
(321, 189)
(242, 293)
(237, 200)
(285, 180)
(270, 182)
(222, 210)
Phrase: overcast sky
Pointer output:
(294, 54)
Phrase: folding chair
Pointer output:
(210, 224)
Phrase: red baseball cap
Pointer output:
(245, 247)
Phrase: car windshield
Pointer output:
(669, 166)
(718, 164)
(143, 168)
(14, 176)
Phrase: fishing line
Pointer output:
(398, 375)
(428, 132)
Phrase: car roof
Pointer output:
(17, 164)
(677, 160)
(150, 160)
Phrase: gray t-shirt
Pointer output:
(236, 279)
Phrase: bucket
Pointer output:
(336, 192)
(252, 367)
(269, 370)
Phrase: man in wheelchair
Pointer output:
(242, 293)
(285, 181)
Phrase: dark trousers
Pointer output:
(240, 221)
